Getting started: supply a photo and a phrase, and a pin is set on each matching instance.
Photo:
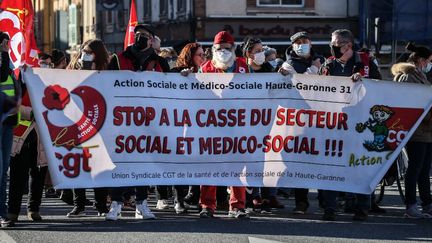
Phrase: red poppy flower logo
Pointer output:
(91, 121)
(56, 97)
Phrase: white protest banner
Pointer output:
(120, 128)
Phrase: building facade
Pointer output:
(65, 24)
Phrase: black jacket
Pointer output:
(334, 68)
(140, 60)
(301, 64)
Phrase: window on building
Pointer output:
(280, 3)
(147, 9)
(163, 7)
(122, 19)
(181, 6)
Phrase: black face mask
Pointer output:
(336, 51)
(140, 42)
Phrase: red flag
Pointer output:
(133, 21)
(16, 18)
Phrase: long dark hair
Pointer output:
(95, 46)
(185, 59)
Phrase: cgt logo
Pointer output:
(71, 137)
(389, 126)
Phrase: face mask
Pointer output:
(273, 63)
(259, 58)
(336, 51)
(302, 50)
(85, 57)
(223, 55)
(427, 68)
(141, 42)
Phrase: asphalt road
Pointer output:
(280, 226)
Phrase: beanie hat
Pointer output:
(421, 51)
(223, 37)
(299, 35)
(146, 27)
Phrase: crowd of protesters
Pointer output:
(22, 153)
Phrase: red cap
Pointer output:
(223, 37)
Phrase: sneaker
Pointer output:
(412, 212)
(162, 204)
(114, 212)
(143, 211)
(76, 212)
(238, 214)
(360, 215)
(427, 211)
(179, 208)
(301, 208)
(206, 213)
(6, 222)
(274, 203)
(377, 209)
(35, 216)
(329, 215)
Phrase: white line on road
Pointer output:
(259, 240)
(5, 238)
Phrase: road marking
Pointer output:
(5, 238)
(259, 240)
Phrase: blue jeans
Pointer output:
(419, 164)
(6, 139)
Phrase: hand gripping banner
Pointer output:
(120, 128)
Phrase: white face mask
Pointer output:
(223, 56)
(259, 58)
(427, 68)
(85, 57)
(273, 63)
(302, 49)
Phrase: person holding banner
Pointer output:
(347, 62)
(140, 56)
(419, 147)
(190, 59)
(137, 57)
(28, 159)
(262, 199)
(12, 89)
(92, 56)
(301, 58)
(224, 61)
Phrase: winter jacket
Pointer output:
(407, 72)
